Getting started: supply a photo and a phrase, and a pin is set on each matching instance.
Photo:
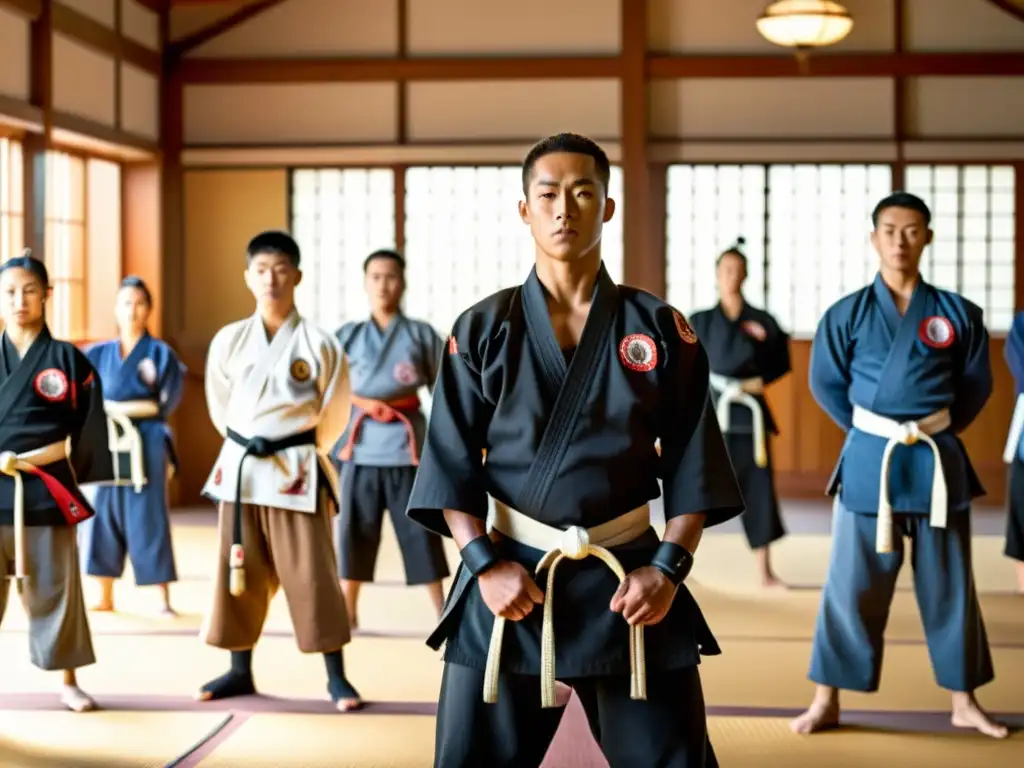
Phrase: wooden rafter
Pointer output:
(219, 27)
(1014, 9)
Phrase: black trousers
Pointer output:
(1015, 513)
(762, 521)
(365, 493)
(668, 730)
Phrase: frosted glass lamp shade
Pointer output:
(805, 23)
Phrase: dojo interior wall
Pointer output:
(238, 148)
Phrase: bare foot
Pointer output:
(348, 705)
(771, 581)
(967, 713)
(822, 715)
(168, 613)
(75, 699)
(103, 606)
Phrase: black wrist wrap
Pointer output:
(673, 560)
(479, 555)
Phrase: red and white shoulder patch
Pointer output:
(51, 385)
(638, 352)
(937, 332)
(754, 330)
(404, 373)
(686, 332)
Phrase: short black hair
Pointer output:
(736, 249)
(574, 144)
(136, 282)
(29, 263)
(273, 242)
(902, 200)
(385, 253)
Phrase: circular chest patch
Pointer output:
(147, 372)
(300, 370)
(937, 332)
(638, 352)
(754, 330)
(52, 385)
(405, 373)
(686, 332)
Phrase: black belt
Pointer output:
(261, 448)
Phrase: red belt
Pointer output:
(383, 411)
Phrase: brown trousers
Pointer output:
(58, 626)
(284, 549)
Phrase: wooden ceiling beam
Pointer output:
(324, 70)
(219, 27)
(381, 69)
(1014, 9)
(70, 22)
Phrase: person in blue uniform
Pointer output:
(1014, 453)
(903, 368)
(143, 382)
(390, 358)
(566, 383)
(747, 351)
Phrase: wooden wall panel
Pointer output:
(223, 210)
(140, 24)
(141, 230)
(965, 106)
(312, 28)
(140, 102)
(327, 113)
(510, 110)
(956, 25)
(790, 108)
(14, 42)
(718, 27)
(187, 18)
(103, 11)
(809, 444)
(83, 81)
(536, 27)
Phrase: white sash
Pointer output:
(905, 433)
(731, 391)
(124, 437)
(1016, 430)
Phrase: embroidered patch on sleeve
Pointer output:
(686, 332)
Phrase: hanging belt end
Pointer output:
(884, 530)
(236, 582)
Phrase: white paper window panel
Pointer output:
(807, 231)
(973, 218)
(464, 239)
(339, 216)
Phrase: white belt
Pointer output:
(125, 438)
(731, 391)
(1016, 430)
(13, 464)
(577, 544)
(905, 433)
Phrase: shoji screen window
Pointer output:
(464, 239)
(66, 245)
(973, 217)
(819, 238)
(339, 216)
(11, 203)
(709, 206)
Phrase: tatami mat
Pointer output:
(100, 739)
(287, 741)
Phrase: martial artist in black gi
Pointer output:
(747, 351)
(549, 400)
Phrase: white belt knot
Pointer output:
(9, 463)
(908, 433)
(575, 543)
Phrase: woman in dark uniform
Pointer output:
(747, 351)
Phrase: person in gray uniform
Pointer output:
(390, 358)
